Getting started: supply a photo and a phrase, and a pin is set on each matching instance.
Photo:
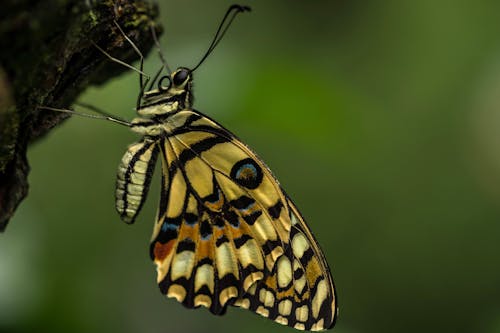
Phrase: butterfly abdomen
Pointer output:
(133, 178)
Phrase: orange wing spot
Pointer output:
(162, 251)
(236, 232)
(270, 282)
(313, 271)
(204, 250)
(290, 292)
(215, 203)
(217, 232)
(188, 231)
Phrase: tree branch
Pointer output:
(48, 58)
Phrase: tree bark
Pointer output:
(47, 58)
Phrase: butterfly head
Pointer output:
(173, 89)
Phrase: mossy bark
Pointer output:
(47, 59)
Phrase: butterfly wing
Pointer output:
(299, 292)
(226, 231)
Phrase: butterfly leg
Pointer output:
(142, 83)
(142, 75)
(110, 118)
(98, 110)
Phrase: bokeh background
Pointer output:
(380, 118)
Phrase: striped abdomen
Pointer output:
(134, 176)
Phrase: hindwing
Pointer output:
(227, 234)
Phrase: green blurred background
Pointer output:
(380, 118)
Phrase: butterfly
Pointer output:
(226, 233)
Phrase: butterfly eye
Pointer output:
(163, 87)
(180, 77)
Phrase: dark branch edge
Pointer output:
(48, 59)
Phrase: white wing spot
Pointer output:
(302, 313)
(299, 326)
(176, 291)
(319, 297)
(182, 265)
(227, 294)
(266, 297)
(204, 276)
(202, 300)
(243, 303)
(262, 311)
(284, 272)
(319, 326)
(299, 245)
(285, 307)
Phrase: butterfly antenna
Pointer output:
(142, 83)
(139, 53)
(87, 115)
(221, 30)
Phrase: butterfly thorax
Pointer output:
(161, 103)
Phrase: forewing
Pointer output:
(225, 230)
